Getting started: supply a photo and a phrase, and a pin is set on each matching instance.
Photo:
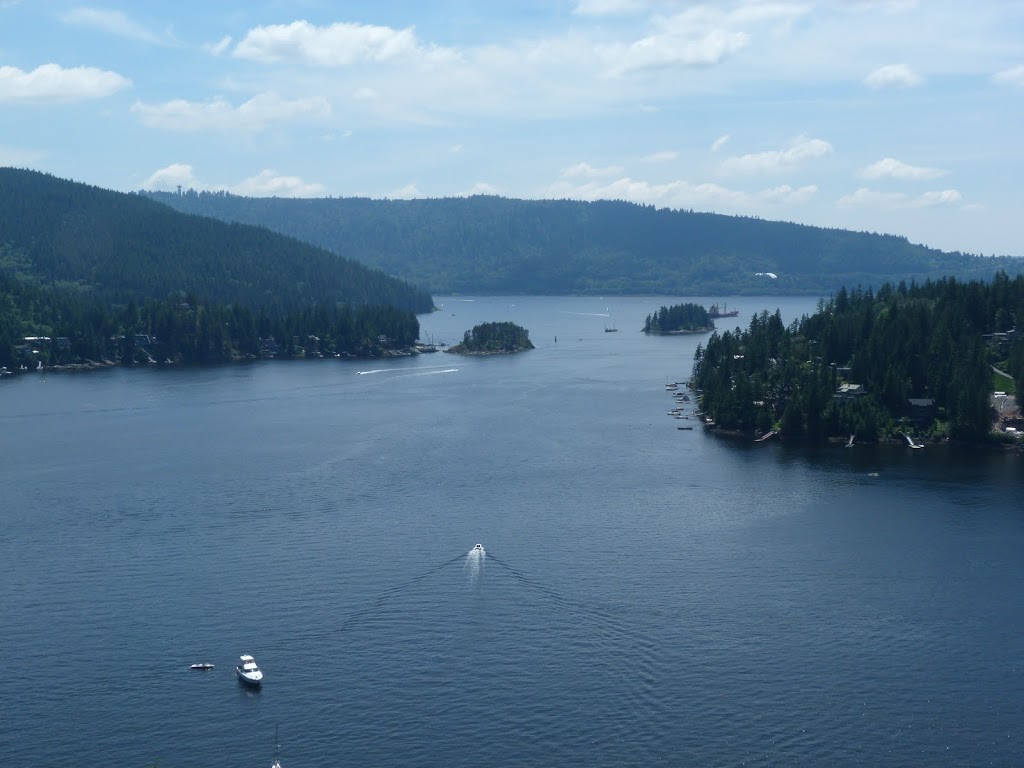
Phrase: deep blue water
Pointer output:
(650, 596)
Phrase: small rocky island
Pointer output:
(493, 339)
(678, 319)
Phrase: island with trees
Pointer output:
(679, 319)
(902, 361)
(493, 339)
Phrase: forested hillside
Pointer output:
(496, 245)
(88, 275)
(121, 247)
(913, 359)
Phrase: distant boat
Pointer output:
(613, 329)
(248, 672)
(204, 665)
(714, 311)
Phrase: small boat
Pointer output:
(248, 672)
(478, 548)
(204, 665)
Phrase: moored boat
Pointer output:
(248, 672)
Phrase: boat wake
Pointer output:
(367, 373)
(427, 373)
(476, 559)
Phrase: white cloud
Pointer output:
(113, 22)
(679, 194)
(586, 170)
(894, 75)
(890, 167)
(268, 183)
(660, 157)
(871, 197)
(482, 188)
(787, 195)
(171, 177)
(607, 7)
(720, 142)
(408, 192)
(337, 45)
(252, 115)
(673, 48)
(216, 49)
(1011, 76)
(878, 199)
(943, 197)
(51, 82)
(365, 94)
(455, 149)
(800, 150)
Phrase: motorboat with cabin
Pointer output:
(203, 665)
(248, 672)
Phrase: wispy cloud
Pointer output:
(679, 194)
(586, 170)
(800, 150)
(53, 83)
(267, 183)
(720, 142)
(892, 168)
(408, 192)
(482, 188)
(112, 22)
(894, 76)
(218, 114)
(608, 7)
(336, 45)
(172, 176)
(218, 48)
(875, 198)
(666, 156)
(1011, 76)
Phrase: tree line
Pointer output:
(933, 343)
(68, 328)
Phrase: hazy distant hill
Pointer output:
(121, 247)
(487, 244)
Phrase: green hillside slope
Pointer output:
(122, 247)
(487, 244)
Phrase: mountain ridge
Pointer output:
(488, 244)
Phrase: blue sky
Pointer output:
(895, 116)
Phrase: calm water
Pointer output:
(649, 596)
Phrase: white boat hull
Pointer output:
(250, 678)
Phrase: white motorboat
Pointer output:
(478, 548)
(248, 672)
(203, 665)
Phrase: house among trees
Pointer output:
(848, 392)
